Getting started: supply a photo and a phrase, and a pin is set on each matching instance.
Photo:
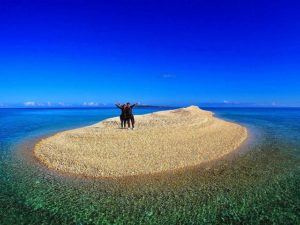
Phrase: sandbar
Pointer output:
(162, 141)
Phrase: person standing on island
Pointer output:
(122, 116)
(129, 117)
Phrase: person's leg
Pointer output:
(128, 123)
(132, 121)
(122, 121)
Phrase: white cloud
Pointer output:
(29, 103)
(230, 102)
(91, 104)
(34, 104)
(40, 104)
(168, 76)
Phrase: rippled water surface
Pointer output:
(260, 186)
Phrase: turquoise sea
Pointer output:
(257, 186)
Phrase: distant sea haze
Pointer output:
(32, 104)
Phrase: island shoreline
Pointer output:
(241, 149)
(26, 151)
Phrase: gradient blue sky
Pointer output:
(155, 52)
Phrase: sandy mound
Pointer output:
(162, 141)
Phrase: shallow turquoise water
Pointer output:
(257, 187)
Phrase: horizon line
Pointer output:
(151, 106)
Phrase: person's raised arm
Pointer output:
(134, 105)
(118, 105)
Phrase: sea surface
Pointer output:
(258, 186)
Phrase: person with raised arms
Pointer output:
(122, 116)
(129, 117)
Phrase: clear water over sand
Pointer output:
(259, 186)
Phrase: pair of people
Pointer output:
(126, 116)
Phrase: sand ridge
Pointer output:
(162, 141)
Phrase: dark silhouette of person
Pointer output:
(122, 116)
(129, 117)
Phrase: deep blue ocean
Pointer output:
(267, 177)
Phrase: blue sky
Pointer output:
(93, 52)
